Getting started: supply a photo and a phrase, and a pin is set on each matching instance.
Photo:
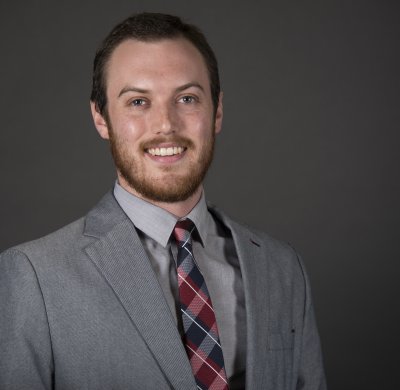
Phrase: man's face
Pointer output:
(160, 118)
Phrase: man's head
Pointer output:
(156, 98)
(150, 27)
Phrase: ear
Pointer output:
(99, 122)
(219, 114)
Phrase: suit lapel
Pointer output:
(121, 258)
(253, 259)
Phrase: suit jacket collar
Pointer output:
(253, 257)
(120, 257)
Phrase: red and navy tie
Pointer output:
(200, 326)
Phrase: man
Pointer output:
(153, 289)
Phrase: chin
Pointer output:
(168, 195)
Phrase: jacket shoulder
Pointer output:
(278, 252)
(61, 240)
(243, 229)
(76, 234)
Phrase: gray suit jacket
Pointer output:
(82, 309)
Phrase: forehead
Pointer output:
(153, 62)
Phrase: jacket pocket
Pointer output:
(279, 341)
(280, 361)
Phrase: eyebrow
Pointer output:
(144, 91)
(132, 89)
(190, 85)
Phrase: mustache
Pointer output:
(174, 139)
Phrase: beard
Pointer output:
(171, 186)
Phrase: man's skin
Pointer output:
(158, 92)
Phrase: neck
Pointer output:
(179, 209)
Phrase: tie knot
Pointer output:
(182, 231)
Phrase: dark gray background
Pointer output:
(308, 152)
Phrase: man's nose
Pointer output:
(165, 120)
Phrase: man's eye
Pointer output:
(187, 99)
(138, 102)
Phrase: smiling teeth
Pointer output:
(166, 151)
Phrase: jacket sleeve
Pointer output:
(26, 358)
(311, 369)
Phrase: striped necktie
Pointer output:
(200, 326)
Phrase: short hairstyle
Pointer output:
(150, 27)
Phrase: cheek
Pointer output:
(199, 124)
(128, 128)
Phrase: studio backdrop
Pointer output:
(309, 150)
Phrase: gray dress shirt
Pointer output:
(215, 255)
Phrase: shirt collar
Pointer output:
(156, 222)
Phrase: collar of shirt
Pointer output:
(156, 222)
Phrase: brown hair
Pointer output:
(150, 27)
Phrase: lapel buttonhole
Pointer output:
(255, 243)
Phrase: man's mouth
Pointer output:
(170, 151)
